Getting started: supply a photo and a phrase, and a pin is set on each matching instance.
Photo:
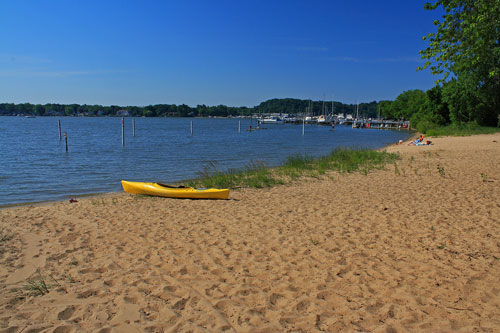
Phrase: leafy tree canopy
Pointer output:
(466, 46)
(467, 38)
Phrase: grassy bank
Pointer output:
(257, 175)
(461, 130)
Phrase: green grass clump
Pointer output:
(38, 285)
(441, 171)
(257, 175)
(484, 177)
(466, 129)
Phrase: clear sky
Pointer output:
(231, 52)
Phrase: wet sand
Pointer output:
(412, 247)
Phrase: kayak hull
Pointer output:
(174, 192)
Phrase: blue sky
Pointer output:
(236, 53)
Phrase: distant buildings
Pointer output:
(123, 113)
(54, 113)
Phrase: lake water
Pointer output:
(34, 164)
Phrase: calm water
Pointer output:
(34, 164)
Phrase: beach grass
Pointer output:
(257, 175)
(37, 287)
(466, 129)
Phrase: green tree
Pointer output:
(149, 111)
(385, 109)
(183, 110)
(39, 110)
(464, 101)
(434, 111)
(407, 104)
(437, 107)
(467, 46)
(70, 109)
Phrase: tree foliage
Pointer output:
(405, 105)
(425, 110)
(159, 110)
(466, 46)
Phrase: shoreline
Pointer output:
(48, 202)
(411, 247)
(98, 194)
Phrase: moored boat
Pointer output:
(170, 191)
(271, 120)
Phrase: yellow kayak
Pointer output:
(169, 191)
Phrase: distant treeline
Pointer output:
(284, 105)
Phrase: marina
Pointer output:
(336, 119)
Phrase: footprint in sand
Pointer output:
(179, 305)
(66, 313)
(105, 330)
(64, 329)
(87, 294)
(302, 306)
(277, 300)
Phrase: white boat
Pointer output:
(270, 120)
(321, 119)
(289, 119)
(356, 123)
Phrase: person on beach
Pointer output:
(419, 140)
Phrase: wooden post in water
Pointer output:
(59, 122)
(123, 131)
(303, 125)
(191, 127)
(66, 139)
(239, 126)
(133, 128)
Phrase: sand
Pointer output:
(413, 247)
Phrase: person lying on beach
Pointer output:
(419, 140)
(425, 143)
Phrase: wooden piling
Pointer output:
(66, 139)
(123, 131)
(191, 127)
(59, 122)
(239, 126)
(133, 128)
(303, 125)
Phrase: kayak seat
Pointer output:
(171, 186)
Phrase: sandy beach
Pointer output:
(414, 247)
